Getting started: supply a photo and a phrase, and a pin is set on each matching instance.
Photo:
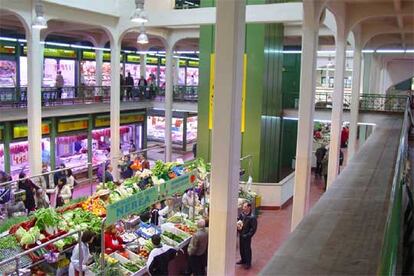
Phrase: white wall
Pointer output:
(398, 71)
(108, 7)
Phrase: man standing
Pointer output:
(320, 154)
(59, 84)
(129, 81)
(246, 226)
(159, 257)
(142, 84)
(197, 249)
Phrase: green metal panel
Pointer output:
(290, 79)
(289, 141)
(91, 121)
(7, 141)
(203, 132)
(404, 85)
(367, 59)
(53, 134)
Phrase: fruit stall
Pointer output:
(41, 243)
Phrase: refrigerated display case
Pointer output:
(2, 166)
(192, 76)
(192, 123)
(7, 73)
(19, 156)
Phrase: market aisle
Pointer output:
(273, 229)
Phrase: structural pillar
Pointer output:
(310, 29)
(226, 135)
(337, 105)
(168, 101)
(99, 63)
(143, 65)
(356, 87)
(176, 70)
(115, 105)
(90, 145)
(6, 148)
(53, 135)
(34, 101)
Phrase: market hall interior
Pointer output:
(130, 108)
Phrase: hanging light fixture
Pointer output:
(39, 21)
(139, 15)
(142, 38)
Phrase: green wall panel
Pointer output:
(289, 141)
(291, 79)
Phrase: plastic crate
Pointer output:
(147, 230)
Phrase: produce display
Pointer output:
(47, 224)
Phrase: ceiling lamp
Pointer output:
(39, 21)
(139, 15)
(142, 38)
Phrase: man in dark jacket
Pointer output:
(159, 257)
(197, 249)
(129, 82)
(320, 154)
(246, 226)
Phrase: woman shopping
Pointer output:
(62, 193)
(76, 265)
(30, 189)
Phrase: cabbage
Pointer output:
(63, 225)
(28, 238)
(20, 232)
(59, 244)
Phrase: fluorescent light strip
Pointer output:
(368, 51)
(8, 39)
(390, 51)
(80, 47)
(409, 51)
(57, 44)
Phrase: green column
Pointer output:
(17, 56)
(90, 128)
(7, 141)
(53, 135)
(185, 132)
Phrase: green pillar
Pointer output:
(17, 56)
(53, 135)
(185, 132)
(90, 128)
(7, 141)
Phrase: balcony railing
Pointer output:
(367, 102)
(17, 97)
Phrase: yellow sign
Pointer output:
(6, 49)
(21, 131)
(72, 125)
(211, 110)
(1, 134)
(125, 119)
(133, 59)
(152, 60)
(193, 63)
(183, 63)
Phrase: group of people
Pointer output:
(37, 192)
(322, 156)
(146, 88)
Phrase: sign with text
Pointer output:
(72, 125)
(125, 119)
(133, 204)
(138, 202)
(21, 131)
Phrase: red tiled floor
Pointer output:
(273, 229)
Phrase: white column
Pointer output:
(98, 71)
(115, 105)
(305, 115)
(176, 70)
(337, 107)
(168, 101)
(143, 65)
(226, 136)
(34, 101)
(356, 88)
(327, 77)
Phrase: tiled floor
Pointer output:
(273, 229)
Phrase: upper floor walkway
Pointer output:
(356, 226)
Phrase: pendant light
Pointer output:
(39, 21)
(142, 37)
(139, 15)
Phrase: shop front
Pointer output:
(19, 148)
(131, 133)
(72, 143)
(184, 128)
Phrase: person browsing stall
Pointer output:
(75, 266)
(197, 249)
(159, 257)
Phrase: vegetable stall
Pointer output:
(122, 205)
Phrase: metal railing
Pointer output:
(12, 97)
(392, 240)
(367, 102)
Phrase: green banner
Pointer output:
(138, 202)
(180, 184)
(133, 204)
